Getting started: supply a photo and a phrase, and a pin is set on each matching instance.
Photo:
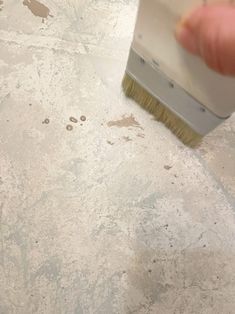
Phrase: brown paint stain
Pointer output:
(37, 8)
(125, 122)
(167, 167)
(74, 120)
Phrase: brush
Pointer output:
(176, 87)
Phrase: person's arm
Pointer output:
(209, 32)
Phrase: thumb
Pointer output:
(209, 32)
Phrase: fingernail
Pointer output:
(186, 38)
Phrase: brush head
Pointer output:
(179, 127)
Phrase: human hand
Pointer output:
(209, 32)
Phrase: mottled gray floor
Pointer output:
(102, 219)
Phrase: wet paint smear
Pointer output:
(74, 120)
(46, 121)
(37, 8)
(125, 122)
(69, 127)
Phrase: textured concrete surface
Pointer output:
(102, 210)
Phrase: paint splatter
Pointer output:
(83, 118)
(69, 127)
(125, 122)
(127, 138)
(46, 121)
(74, 120)
(37, 8)
(110, 143)
(167, 167)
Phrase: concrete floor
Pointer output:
(96, 218)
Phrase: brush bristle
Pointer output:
(180, 128)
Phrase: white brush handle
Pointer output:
(154, 39)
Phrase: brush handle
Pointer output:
(154, 39)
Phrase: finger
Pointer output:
(210, 33)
